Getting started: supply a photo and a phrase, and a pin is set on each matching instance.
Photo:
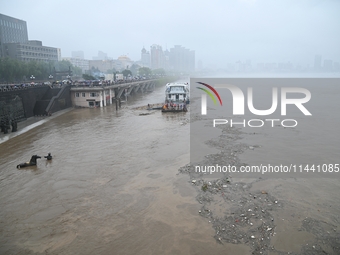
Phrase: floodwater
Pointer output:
(112, 186)
(302, 213)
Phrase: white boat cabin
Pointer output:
(177, 92)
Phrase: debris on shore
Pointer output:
(237, 214)
(240, 214)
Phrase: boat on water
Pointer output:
(176, 97)
(154, 108)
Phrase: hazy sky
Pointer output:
(219, 31)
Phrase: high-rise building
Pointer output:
(12, 30)
(317, 62)
(157, 56)
(328, 65)
(14, 42)
(145, 58)
(102, 65)
(182, 59)
(101, 56)
(79, 62)
(166, 60)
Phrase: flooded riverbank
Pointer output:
(111, 188)
(120, 183)
(273, 213)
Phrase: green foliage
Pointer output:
(159, 71)
(164, 80)
(13, 70)
(76, 71)
(126, 72)
(134, 69)
(144, 71)
(62, 65)
(95, 70)
(88, 77)
(111, 71)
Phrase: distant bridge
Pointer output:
(101, 95)
(19, 102)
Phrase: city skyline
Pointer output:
(15, 43)
(219, 32)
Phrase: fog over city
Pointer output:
(219, 32)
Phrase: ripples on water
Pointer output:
(112, 187)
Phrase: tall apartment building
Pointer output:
(101, 56)
(12, 30)
(328, 65)
(181, 59)
(145, 58)
(317, 62)
(156, 57)
(102, 65)
(79, 62)
(14, 42)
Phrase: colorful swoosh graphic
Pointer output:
(209, 93)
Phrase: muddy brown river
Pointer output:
(113, 187)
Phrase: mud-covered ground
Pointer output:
(247, 211)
